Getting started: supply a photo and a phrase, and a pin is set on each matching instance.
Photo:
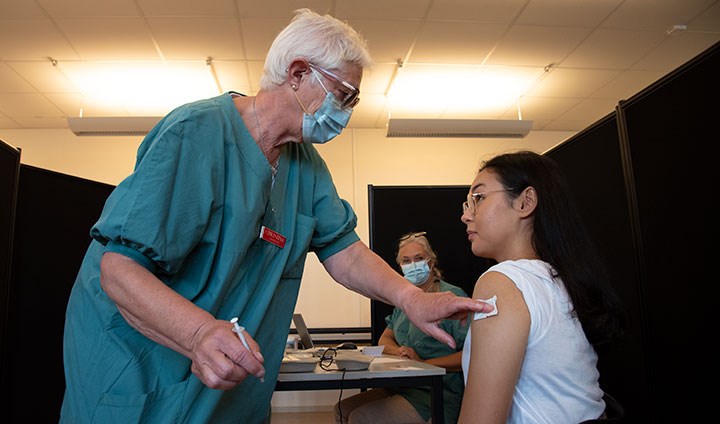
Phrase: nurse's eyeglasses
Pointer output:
(412, 235)
(351, 97)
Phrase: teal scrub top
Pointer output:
(191, 212)
(406, 334)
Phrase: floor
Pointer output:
(302, 418)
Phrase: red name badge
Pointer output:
(272, 237)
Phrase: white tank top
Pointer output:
(558, 381)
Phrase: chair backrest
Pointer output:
(614, 411)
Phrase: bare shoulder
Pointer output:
(501, 286)
(493, 283)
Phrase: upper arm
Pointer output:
(342, 262)
(497, 351)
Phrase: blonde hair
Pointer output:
(320, 39)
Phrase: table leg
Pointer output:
(437, 403)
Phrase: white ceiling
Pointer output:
(599, 51)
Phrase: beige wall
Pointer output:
(356, 158)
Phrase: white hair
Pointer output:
(322, 40)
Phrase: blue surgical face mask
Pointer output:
(416, 272)
(327, 122)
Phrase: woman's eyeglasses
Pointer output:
(474, 198)
(351, 96)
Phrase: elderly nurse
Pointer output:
(227, 197)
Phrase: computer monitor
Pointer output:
(303, 332)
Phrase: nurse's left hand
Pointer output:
(426, 310)
(220, 360)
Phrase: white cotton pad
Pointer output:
(481, 315)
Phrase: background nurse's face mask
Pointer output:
(327, 122)
(416, 272)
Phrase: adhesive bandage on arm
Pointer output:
(480, 315)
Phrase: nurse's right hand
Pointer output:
(219, 358)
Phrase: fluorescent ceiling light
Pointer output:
(141, 87)
(459, 90)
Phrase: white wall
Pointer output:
(356, 158)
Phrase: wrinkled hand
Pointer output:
(426, 310)
(408, 352)
(220, 360)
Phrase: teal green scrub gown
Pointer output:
(191, 212)
(406, 334)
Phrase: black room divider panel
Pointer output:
(52, 231)
(644, 178)
(592, 162)
(668, 133)
(9, 169)
(396, 210)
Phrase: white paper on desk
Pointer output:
(387, 360)
(406, 368)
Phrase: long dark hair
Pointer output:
(560, 239)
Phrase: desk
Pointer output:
(384, 371)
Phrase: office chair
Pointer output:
(614, 411)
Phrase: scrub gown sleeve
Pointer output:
(392, 319)
(160, 212)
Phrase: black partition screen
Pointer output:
(396, 210)
(670, 133)
(52, 231)
(9, 168)
(644, 178)
(591, 161)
